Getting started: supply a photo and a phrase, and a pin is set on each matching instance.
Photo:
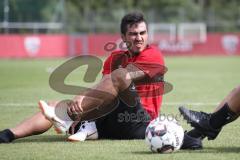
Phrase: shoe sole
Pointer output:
(57, 130)
(75, 140)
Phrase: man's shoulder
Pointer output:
(115, 54)
(151, 55)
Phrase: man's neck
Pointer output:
(132, 53)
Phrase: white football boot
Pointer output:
(62, 124)
(86, 131)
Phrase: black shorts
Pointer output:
(124, 122)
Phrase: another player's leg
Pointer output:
(210, 124)
(191, 142)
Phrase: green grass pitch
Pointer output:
(199, 83)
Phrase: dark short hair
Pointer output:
(131, 19)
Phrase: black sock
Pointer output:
(195, 133)
(6, 136)
(223, 116)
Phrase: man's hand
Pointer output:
(74, 110)
(134, 73)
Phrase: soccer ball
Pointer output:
(164, 135)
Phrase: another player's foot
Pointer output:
(60, 126)
(201, 121)
(191, 143)
(86, 131)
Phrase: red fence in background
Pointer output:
(23, 46)
(98, 43)
(216, 44)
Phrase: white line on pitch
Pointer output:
(18, 104)
(164, 103)
(190, 103)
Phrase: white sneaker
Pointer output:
(61, 126)
(86, 131)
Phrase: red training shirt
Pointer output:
(151, 62)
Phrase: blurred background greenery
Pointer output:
(93, 16)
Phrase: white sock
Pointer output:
(61, 112)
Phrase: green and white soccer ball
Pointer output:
(164, 135)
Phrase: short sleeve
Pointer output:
(107, 66)
(151, 62)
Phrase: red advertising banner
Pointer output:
(61, 45)
(216, 44)
(102, 44)
(22, 46)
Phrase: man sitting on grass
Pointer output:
(132, 86)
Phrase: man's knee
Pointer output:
(120, 79)
(237, 90)
(234, 100)
(236, 93)
(52, 103)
